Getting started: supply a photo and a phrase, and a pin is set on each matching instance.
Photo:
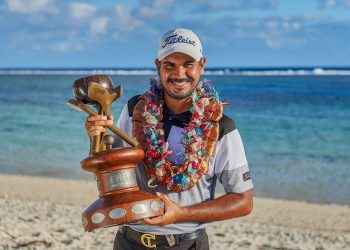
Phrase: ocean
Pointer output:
(294, 122)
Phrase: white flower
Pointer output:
(204, 101)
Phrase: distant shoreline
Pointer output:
(89, 180)
(212, 71)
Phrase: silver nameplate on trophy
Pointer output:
(139, 209)
(155, 206)
(121, 179)
(117, 213)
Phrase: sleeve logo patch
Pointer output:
(246, 176)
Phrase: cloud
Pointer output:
(280, 42)
(328, 3)
(157, 9)
(76, 25)
(81, 11)
(30, 7)
(125, 20)
(98, 25)
(270, 32)
(209, 6)
(66, 46)
(334, 3)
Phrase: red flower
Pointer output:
(195, 165)
(195, 115)
(154, 154)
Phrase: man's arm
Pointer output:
(228, 206)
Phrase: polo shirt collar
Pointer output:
(184, 117)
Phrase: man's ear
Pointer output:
(157, 62)
(202, 64)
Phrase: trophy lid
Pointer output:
(80, 87)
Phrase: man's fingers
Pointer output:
(95, 130)
(154, 221)
(164, 197)
(92, 118)
(93, 127)
(99, 123)
(95, 124)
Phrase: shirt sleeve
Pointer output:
(125, 124)
(231, 166)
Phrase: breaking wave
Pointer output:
(208, 71)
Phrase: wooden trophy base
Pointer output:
(121, 208)
(120, 199)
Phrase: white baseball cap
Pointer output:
(180, 40)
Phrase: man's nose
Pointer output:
(179, 72)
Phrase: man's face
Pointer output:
(179, 74)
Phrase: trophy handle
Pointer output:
(102, 96)
(95, 145)
(79, 106)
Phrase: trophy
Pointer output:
(120, 199)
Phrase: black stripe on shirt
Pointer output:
(132, 103)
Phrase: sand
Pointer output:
(45, 213)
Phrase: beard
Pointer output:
(182, 94)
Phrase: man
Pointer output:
(189, 145)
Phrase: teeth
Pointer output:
(179, 83)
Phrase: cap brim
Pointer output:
(195, 55)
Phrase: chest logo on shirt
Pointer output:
(246, 176)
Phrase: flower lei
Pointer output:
(199, 137)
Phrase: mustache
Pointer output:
(180, 80)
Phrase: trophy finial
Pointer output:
(108, 140)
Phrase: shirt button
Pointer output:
(170, 118)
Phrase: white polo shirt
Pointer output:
(228, 165)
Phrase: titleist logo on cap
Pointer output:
(178, 39)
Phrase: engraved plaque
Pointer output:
(117, 213)
(121, 179)
(139, 209)
(97, 218)
(155, 206)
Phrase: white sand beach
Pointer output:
(45, 213)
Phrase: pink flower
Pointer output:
(169, 180)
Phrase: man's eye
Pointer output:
(189, 65)
(169, 66)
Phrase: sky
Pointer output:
(126, 33)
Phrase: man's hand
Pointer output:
(173, 213)
(228, 206)
(95, 124)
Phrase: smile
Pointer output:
(180, 82)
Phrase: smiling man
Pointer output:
(189, 145)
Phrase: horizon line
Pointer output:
(145, 67)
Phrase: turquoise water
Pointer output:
(296, 130)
